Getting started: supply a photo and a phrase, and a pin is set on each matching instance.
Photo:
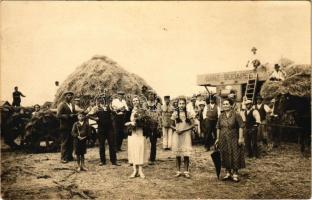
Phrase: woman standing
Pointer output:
(230, 141)
(181, 138)
(137, 143)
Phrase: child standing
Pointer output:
(182, 139)
(80, 132)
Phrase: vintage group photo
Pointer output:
(155, 99)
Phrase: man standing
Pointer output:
(166, 112)
(252, 121)
(153, 109)
(193, 110)
(102, 114)
(17, 97)
(119, 107)
(67, 116)
(263, 110)
(210, 115)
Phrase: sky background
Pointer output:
(166, 43)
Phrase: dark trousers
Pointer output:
(109, 135)
(210, 133)
(119, 130)
(153, 140)
(66, 145)
(251, 141)
(16, 103)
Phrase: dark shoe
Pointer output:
(151, 162)
(64, 161)
(71, 159)
(116, 164)
(102, 163)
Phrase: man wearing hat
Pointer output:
(210, 115)
(252, 121)
(193, 110)
(202, 128)
(166, 113)
(119, 107)
(66, 114)
(153, 110)
(277, 74)
(102, 114)
(263, 110)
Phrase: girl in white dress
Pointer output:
(137, 142)
(181, 138)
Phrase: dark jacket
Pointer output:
(64, 114)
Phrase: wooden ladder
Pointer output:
(251, 86)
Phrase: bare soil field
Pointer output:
(282, 173)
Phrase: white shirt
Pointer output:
(266, 107)
(70, 106)
(212, 106)
(278, 75)
(117, 104)
(191, 109)
(251, 59)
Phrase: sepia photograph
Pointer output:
(155, 99)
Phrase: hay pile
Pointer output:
(96, 75)
(296, 83)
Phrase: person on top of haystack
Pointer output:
(119, 107)
(17, 97)
(153, 109)
(66, 114)
(277, 74)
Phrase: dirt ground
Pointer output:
(282, 173)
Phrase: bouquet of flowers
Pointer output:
(142, 119)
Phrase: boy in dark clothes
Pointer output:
(81, 131)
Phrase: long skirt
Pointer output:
(137, 147)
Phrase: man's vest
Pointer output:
(250, 120)
(212, 113)
(261, 112)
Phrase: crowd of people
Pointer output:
(227, 126)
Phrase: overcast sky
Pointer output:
(166, 43)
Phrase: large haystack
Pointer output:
(297, 83)
(97, 74)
